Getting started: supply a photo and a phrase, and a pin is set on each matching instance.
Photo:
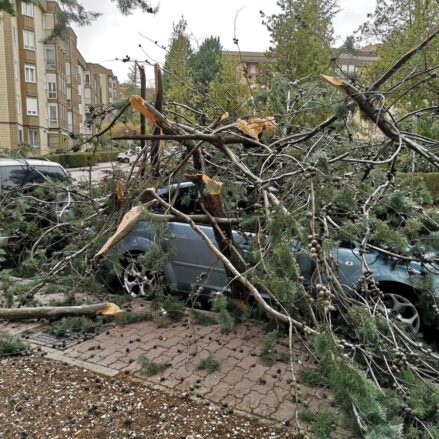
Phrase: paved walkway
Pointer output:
(242, 381)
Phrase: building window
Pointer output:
(53, 140)
(28, 40)
(32, 106)
(30, 73)
(14, 35)
(87, 78)
(27, 9)
(52, 110)
(20, 136)
(50, 55)
(51, 85)
(16, 70)
(34, 138)
(70, 121)
(252, 69)
(69, 96)
(18, 105)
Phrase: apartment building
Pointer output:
(347, 64)
(46, 86)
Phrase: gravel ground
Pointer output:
(44, 399)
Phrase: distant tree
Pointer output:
(399, 25)
(228, 91)
(206, 62)
(177, 76)
(301, 36)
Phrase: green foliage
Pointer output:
(393, 238)
(302, 36)
(225, 319)
(322, 422)
(399, 25)
(269, 355)
(202, 318)
(206, 63)
(210, 364)
(177, 77)
(348, 383)
(228, 91)
(10, 345)
(314, 377)
(149, 367)
(82, 159)
(171, 307)
(69, 326)
(364, 324)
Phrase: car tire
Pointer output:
(137, 280)
(126, 160)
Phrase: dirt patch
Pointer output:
(44, 399)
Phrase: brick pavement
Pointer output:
(242, 381)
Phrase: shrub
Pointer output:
(209, 364)
(149, 367)
(81, 159)
(11, 345)
(68, 326)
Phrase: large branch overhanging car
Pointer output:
(191, 263)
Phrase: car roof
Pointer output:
(27, 162)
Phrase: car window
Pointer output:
(185, 200)
(13, 176)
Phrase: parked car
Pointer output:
(129, 156)
(21, 172)
(191, 257)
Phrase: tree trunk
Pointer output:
(54, 312)
(210, 192)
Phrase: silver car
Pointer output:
(193, 265)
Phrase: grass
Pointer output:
(126, 318)
(69, 326)
(149, 367)
(269, 355)
(322, 422)
(209, 364)
(203, 319)
(11, 345)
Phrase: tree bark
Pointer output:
(210, 193)
(53, 312)
(158, 105)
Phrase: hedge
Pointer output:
(431, 183)
(81, 159)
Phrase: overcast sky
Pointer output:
(115, 36)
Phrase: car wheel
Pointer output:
(126, 160)
(138, 280)
(403, 310)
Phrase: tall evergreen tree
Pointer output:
(206, 62)
(177, 77)
(301, 36)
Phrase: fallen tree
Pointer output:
(320, 186)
